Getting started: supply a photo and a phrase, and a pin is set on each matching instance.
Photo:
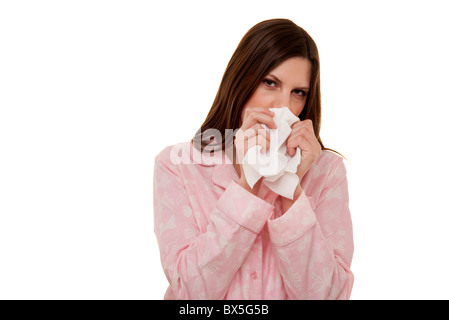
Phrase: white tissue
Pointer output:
(276, 166)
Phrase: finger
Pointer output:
(257, 117)
(246, 139)
(247, 111)
(291, 151)
(308, 124)
(301, 139)
(256, 141)
(264, 140)
(258, 109)
(293, 147)
(251, 132)
(304, 132)
(262, 137)
(261, 131)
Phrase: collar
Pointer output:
(223, 174)
(223, 169)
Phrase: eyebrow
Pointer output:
(280, 82)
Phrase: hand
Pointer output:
(303, 136)
(251, 133)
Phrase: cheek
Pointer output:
(257, 100)
(260, 99)
(298, 108)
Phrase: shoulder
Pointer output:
(329, 159)
(167, 164)
(165, 161)
(173, 154)
(328, 166)
(332, 166)
(184, 157)
(186, 154)
(180, 162)
(325, 172)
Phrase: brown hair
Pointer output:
(262, 48)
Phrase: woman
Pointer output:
(221, 239)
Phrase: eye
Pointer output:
(300, 92)
(269, 82)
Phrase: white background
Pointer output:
(91, 91)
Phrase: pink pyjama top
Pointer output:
(219, 241)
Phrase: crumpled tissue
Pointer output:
(276, 166)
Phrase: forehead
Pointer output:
(295, 71)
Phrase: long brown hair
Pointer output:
(262, 48)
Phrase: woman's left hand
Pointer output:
(303, 136)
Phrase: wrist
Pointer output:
(286, 203)
(244, 184)
(298, 191)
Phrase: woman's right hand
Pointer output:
(250, 134)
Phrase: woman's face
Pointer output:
(287, 85)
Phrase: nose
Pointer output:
(282, 99)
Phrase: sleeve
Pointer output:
(201, 265)
(314, 249)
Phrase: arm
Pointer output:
(201, 265)
(314, 249)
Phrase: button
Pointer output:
(254, 275)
